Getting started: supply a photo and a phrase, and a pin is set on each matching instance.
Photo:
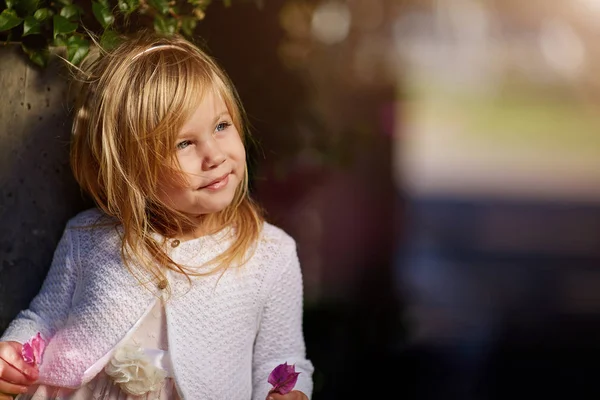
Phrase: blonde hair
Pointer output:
(132, 102)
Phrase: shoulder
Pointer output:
(275, 240)
(93, 226)
(89, 218)
(277, 256)
(275, 252)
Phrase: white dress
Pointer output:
(151, 334)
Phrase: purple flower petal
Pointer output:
(33, 350)
(39, 345)
(283, 378)
(27, 354)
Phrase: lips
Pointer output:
(217, 183)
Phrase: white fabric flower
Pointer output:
(132, 369)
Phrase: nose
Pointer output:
(212, 155)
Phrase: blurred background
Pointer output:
(438, 163)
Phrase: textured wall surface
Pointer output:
(38, 194)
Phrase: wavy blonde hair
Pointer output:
(131, 104)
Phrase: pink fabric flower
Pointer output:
(283, 378)
(33, 350)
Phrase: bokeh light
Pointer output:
(331, 22)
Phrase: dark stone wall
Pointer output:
(38, 194)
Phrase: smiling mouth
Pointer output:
(217, 183)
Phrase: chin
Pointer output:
(214, 207)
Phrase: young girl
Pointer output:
(174, 287)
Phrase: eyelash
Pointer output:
(185, 143)
(224, 124)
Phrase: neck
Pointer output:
(205, 226)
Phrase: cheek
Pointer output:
(172, 181)
(238, 150)
(241, 156)
(189, 164)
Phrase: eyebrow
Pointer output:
(221, 115)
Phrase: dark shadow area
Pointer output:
(504, 298)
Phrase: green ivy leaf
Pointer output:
(40, 58)
(37, 56)
(60, 41)
(10, 4)
(165, 25)
(161, 5)
(63, 25)
(9, 19)
(43, 14)
(188, 24)
(200, 3)
(102, 14)
(199, 13)
(31, 26)
(227, 3)
(26, 7)
(128, 6)
(110, 39)
(77, 49)
(72, 12)
(105, 3)
(64, 2)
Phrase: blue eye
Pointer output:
(222, 126)
(183, 145)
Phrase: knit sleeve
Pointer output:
(48, 311)
(280, 338)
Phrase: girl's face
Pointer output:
(212, 157)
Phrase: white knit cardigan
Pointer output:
(224, 337)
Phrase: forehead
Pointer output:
(207, 112)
